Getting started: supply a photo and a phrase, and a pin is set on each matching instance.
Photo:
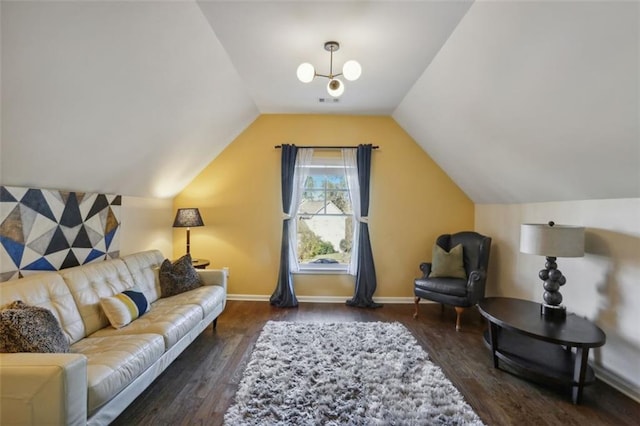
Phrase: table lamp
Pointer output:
(552, 241)
(187, 218)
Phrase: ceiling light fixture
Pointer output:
(351, 70)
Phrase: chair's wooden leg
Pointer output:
(215, 322)
(416, 300)
(459, 310)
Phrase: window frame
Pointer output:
(321, 162)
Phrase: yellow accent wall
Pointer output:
(238, 194)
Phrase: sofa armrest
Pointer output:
(214, 277)
(38, 389)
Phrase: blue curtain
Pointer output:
(284, 296)
(366, 281)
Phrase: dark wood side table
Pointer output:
(539, 348)
(200, 263)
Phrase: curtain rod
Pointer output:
(327, 147)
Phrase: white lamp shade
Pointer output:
(351, 70)
(306, 72)
(335, 87)
(552, 241)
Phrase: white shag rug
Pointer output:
(354, 373)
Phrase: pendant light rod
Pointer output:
(330, 46)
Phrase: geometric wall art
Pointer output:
(48, 230)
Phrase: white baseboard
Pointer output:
(617, 383)
(318, 299)
(249, 297)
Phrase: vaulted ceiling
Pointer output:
(517, 101)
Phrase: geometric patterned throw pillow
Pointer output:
(178, 277)
(124, 307)
(25, 328)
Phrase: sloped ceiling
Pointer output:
(516, 101)
(534, 101)
(393, 41)
(133, 98)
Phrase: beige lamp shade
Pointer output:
(552, 240)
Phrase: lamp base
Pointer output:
(553, 311)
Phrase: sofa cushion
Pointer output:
(144, 270)
(89, 283)
(449, 286)
(47, 290)
(171, 321)
(178, 277)
(114, 362)
(208, 297)
(25, 328)
(124, 307)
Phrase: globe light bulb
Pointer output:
(351, 70)
(306, 72)
(335, 87)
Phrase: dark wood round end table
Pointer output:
(538, 347)
(200, 263)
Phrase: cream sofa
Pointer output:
(106, 368)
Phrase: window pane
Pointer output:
(324, 239)
(315, 181)
(325, 224)
(336, 181)
(312, 203)
(338, 202)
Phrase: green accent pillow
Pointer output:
(447, 264)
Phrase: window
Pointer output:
(325, 218)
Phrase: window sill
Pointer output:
(342, 270)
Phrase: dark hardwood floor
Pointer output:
(199, 386)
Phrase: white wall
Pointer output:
(603, 286)
(146, 225)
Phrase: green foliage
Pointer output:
(323, 247)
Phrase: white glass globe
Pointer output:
(306, 72)
(351, 70)
(335, 87)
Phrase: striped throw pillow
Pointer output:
(124, 307)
